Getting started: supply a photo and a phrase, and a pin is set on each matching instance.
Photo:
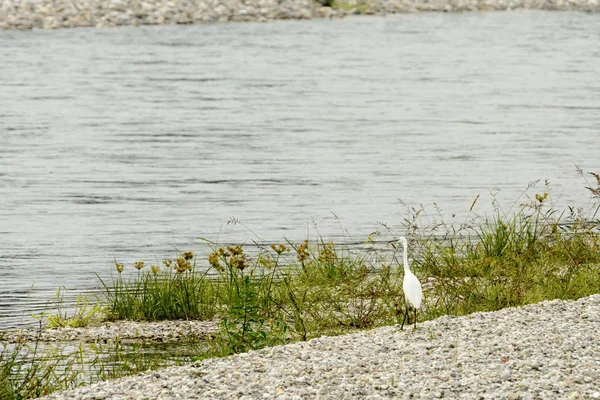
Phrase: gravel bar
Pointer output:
(549, 350)
(53, 14)
(163, 332)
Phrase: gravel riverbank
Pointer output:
(162, 332)
(549, 350)
(52, 14)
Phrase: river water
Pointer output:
(130, 143)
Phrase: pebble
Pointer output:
(389, 363)
(53, 14)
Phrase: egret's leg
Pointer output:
(415, 318)
(404, 318)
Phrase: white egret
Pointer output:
(411, 286)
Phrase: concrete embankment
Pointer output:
(52, 14)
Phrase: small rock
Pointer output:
(100, 395)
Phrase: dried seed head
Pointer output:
(120, 267)
(214, 260)
(279, 248)
(302, 252)
(235, 251)
(221, 251)
(239, 262)
(265, 260)
(541, 198)
(328, 253)
(182, 265)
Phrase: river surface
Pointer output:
(130, 143)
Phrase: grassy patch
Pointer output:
(175, 290)
(281, 293)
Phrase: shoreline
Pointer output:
(545, 350)
(55, 14)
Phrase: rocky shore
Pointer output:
(549, 350)
(52, 14)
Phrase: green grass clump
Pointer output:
(290, 291)
(506, 262)
(84, 314)
(176, 291)
(281, 293)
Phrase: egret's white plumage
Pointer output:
(411, 285)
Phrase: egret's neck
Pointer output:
(406, 267)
